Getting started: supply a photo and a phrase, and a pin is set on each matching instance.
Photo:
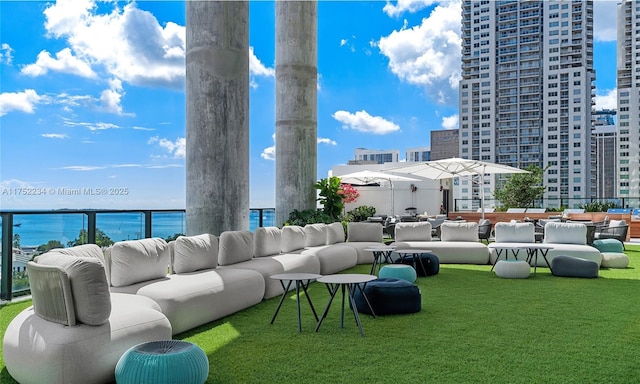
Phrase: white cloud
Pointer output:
(178, 148)
(402, 6)
(128, 43)
(429, 54)
(24, 101)
(605, 20)
(143, 128)
(82, 168)
(607, 101)
(54, 135)
(110, 98)
(364, 122)
(98, 126)
(6, 54)
(324, 140)
(343, 42)
(64, 62)
(450, 122)
(256, 67)
(269, 153)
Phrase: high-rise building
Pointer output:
(604, 155)
(526, 92)
(419, 154)
(364, 155)
(445, 144)
(628, 167)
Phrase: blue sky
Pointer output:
(92, 101)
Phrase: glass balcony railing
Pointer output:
(26, 234)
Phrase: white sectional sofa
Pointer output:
(459, 242)
(568, 239)
(76, 330)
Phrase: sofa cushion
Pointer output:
(454, 231)
(134, 261)
(617, 223)
(315, 234)
(85, 250)
(418, 231)
(515, 233)
(235, 247)
(266, 241)
(565, 233)
(293, 238)
(359, 231)
(335, 233)
(193, 253)
(89, 286)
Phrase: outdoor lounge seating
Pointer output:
(484, 230)
(76, 330)
(617, 229)
(459, 242)
(564, 238)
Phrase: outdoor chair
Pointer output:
(617, 229)
(484, 229)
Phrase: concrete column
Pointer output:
(217, 98)
(296, 106)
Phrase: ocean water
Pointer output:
(37, 229)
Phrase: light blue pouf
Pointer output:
(163, 362)
(400, 271)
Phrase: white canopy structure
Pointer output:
(456, 167)
(369, 177)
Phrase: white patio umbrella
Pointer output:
(454, 167)
(369, 177)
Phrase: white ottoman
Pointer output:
(614, 260)
(512, 269)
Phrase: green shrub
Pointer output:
(360, 213)
(599, 206)
(308, 216)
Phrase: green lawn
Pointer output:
(473, 328)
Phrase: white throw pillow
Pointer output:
(335, 233)
(617, 223)
(364, 232)
(565, 233)
(418, 231)
(315, 234)
(89, 286)
(515, 233)
(293, 238)
(266, 241)
(193, 253)
(134, 261)
(235, 247)
(454, 231)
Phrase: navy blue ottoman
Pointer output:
(570, 266)
(430, 264)
(389, 296)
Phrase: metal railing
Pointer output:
(47, 228)
(462, 205)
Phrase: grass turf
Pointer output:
(474, 328)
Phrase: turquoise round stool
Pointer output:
(163, 362)
(608, 245)
(399, 271)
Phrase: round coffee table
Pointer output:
(349, 283)
(301, 280)
(380, 252)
